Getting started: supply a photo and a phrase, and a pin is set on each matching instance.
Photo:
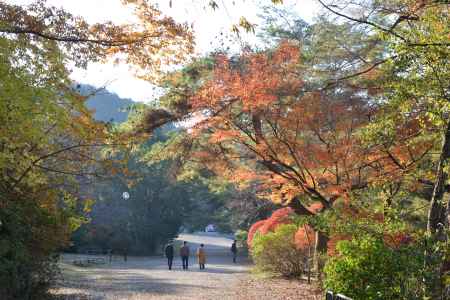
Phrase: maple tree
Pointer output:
(254, 117)
(413, 36)
(252, 123)
(49, 144)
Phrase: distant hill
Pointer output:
(108, 107)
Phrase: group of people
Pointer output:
(185, 252)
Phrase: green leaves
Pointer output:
(367, 269)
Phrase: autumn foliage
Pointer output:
(305, 237)
(278, 217)
(254, 121)
(253, 230)
(148, 43)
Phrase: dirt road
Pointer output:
(143, 278)
(148, 277)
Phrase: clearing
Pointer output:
(142, 278)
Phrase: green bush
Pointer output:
(241, 238)
(29, 236)
(368, 269)
(275, 252)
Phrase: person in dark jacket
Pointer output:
(234, 250)
(169, 254)
(184, 253)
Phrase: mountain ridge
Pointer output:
(107, 106)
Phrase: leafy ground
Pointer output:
(148, 278)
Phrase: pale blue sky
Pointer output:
(207, 25)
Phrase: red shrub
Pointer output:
(278, 217)
(253, 230)
(282, 213)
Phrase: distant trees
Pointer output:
(157, 209)
(152, 214)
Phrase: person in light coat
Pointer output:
(201, 256)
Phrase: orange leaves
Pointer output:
(259, 128)
(305, 237)
(255, 81)
(278, 217)
(224, 135)
(315, 207)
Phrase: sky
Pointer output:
(208, 24)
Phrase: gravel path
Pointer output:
(142, 278)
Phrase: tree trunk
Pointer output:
(438, 213)
(321, 240)
(299, 208)
(320, 247)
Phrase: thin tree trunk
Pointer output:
(438, 218)
(321, 240)
(438, 212)
(299, 208)
(320, 248)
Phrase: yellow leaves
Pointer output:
(244, 23)
(147, 44)
(88, 203)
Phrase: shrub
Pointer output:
(278, 217)
(275, 252)
(29, 235)
(366, 268)
(253, 230)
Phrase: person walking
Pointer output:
(234, 250)
(184, 253)
(201, 255)
(169, 254)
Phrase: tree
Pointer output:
(154, 40)
(48, 139)
(254, 113)
(307, 126)
(50, 143)
(255, 126)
